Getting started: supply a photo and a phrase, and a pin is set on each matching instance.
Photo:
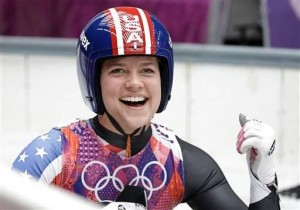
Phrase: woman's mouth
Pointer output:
(134, 101)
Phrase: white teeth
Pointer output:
(133, 99)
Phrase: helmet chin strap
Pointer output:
(120, 129)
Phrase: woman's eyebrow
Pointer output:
(115, 62)
(147, 64)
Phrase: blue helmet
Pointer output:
(122, 31)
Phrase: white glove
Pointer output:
(257, 140)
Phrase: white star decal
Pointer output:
(23, 157)
(26, 175)
(41, 152)
(44, 137)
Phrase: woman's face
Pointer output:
(131, 91)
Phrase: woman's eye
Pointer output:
(117, 71)
(148, 71)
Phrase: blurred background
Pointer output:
(231, 57)
(268, 23)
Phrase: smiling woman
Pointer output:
(125, 71)
(131, 92)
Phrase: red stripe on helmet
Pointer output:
(133, 30)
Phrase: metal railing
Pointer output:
(182, 52)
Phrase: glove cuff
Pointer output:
(258, 190)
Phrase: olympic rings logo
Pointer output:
(118, 184)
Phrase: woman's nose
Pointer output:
(134, 81)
